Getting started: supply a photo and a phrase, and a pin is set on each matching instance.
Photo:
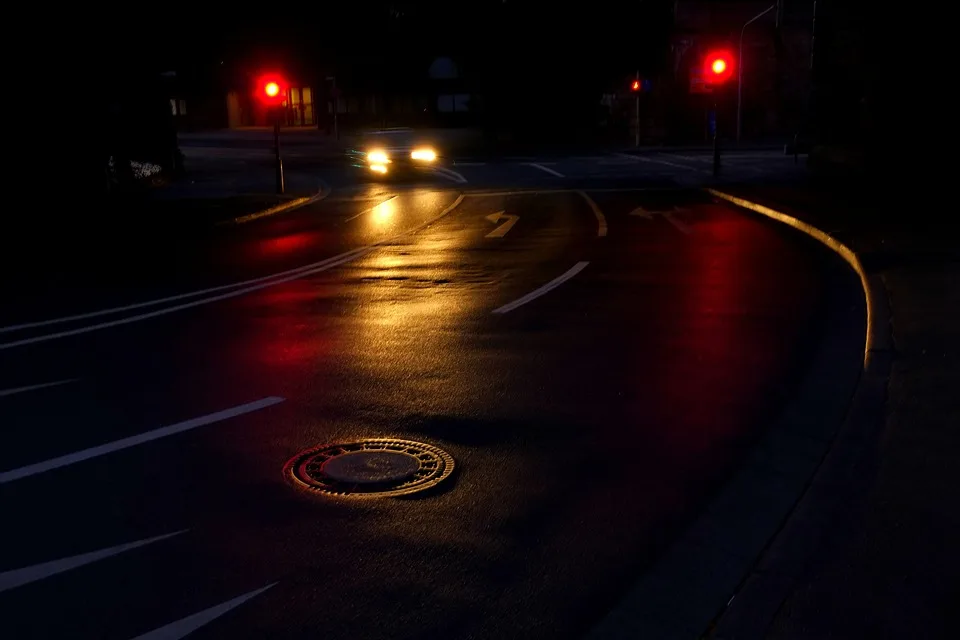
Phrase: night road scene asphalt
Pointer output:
(323, 343)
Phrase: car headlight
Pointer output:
(423, 154)
(378, 168)
(377, 157)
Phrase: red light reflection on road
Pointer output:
(283, 245)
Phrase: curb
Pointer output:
(283, 207)
(829, 501)
(719, 564)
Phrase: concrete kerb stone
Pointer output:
(774, 511)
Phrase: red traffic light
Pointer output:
(718, 67)
(271, 89)
(635, 86)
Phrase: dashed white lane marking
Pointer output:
(19, 577)
(601, 219)
(185, 626)
(132, 441)
(266, 281)
(540, 166)
(536, 293)
(34, 387)
(450, 174)
(366, 211)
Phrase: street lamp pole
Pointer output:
(740, 61)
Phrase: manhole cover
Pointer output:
(374, 468)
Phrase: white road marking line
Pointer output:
(540, 166)
(469, 164)
(536, 293)
(273, 280)
(185, 626)
(450, 174)
(688, 158)
(502, 230)
(132, 441)
(601, 219)
(366, 211)
(34, 387)
(19, 577)
(671, 164)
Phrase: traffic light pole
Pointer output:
(637, 136)
(716, 140)
(276, 153)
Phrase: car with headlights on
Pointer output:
(389, 152)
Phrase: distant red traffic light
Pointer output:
(718, 67)
(271, 89)
(635, 86)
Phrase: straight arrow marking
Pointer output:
(19, 577)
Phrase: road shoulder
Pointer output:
(686, 590)
(870, 550)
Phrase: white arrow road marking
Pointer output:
(19, 577)
(550, 286)
(552, 172)
(502, 230)
(132, 441)
(667, 215)
(185, 626)
(34, 387)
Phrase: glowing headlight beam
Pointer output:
(424, 154)
(378, 157)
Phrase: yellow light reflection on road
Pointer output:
(384, 212)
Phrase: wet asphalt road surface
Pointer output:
(589, 424)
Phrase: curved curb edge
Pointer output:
(283, 207)
(726, 555)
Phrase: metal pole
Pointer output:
(716, 140)
(276, 153)
(637, 134)
(740, 61)
(336, 110)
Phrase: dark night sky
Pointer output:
(555, 38)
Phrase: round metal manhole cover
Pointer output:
(376, 467)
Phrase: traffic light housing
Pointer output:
(271, 89)
(718, 67)
(635, 85)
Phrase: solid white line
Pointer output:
(552, 172)
(601, 219)
(132, 441)
(672, 164)
(366, 211)
(19, 577)
(550, 286)
(450, 174)
(273, 280)
(679, 225)
(185, 626)
(11, 392)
